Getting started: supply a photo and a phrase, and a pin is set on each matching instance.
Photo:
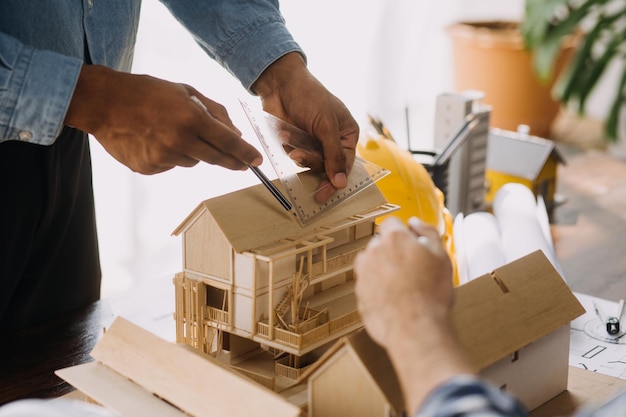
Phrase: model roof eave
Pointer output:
(251, 217)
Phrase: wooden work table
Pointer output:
(589, 228)
(589, 231)
(29, 358)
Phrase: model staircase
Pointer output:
(285, 303)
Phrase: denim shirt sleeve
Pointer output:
(468, 396)
(244, 36)
(36, 87)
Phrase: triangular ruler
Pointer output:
(301, 184)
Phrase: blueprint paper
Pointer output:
(591, 347)
(485, 253)
(521, 232)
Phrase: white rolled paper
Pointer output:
(521, 232)
(483, 247)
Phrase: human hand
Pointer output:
(404, 276)
(290, 92)
(152, 125)
(405, 295)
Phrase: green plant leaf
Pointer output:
(536, 22)
(601, 44)
(569, 80)
(612, 122)
(544, 41)
(596, 71)
(573, 80)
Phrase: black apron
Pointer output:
(49, 262)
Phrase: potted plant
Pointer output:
(490, 56)
(600, 29)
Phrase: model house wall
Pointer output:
(544, 361)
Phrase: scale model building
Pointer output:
(257, 284)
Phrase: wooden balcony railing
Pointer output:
(320, 332)
(217, 316)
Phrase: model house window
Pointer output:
(217, 298)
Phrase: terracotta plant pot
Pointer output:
(490, 57)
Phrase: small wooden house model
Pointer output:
(255, 283)
(353, 378)
(513, 323)
(522, 158)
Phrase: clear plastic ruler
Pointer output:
(279, 140)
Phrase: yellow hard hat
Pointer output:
(409, 186)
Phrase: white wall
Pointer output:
(378, 56)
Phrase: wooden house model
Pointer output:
(522, 158)
(257, 284)
(513, 323)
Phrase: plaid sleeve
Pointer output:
(468, 396)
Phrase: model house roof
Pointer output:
(251, 217)
(519, 154)
(515, 305)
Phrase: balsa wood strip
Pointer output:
(113, 391)
(192, 383)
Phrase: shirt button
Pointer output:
(90, 3)
(25, 135)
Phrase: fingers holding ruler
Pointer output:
(280, 140)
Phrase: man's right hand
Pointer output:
(152, 125)
(405, 296)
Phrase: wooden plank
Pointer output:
(195, 384)
(113, 391)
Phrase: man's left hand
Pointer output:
(290, 92)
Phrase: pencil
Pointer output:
(268, 184)
(271, 187)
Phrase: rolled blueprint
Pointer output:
(521, 230)
(483, 247)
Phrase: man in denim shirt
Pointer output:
(64, 73)
(405, 296)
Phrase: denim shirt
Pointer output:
(43, 45)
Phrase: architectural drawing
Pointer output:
(592, 348)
